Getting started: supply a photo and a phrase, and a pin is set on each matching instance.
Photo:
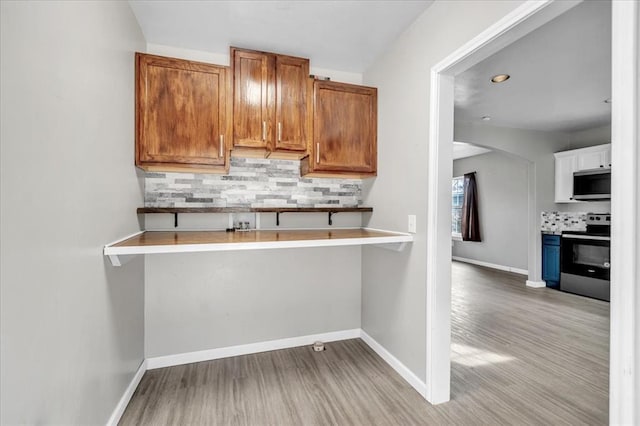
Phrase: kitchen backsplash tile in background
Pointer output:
(251, 182)
(563, 221)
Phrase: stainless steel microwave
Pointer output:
(592, 185)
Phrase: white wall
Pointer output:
(590, 137)
(72, 325)
(393, 284)
(503, 209)
(533, 145)
(201, 301)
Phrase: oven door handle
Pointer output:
(586, 237)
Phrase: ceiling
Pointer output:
(560, 76)
(463, 150)
(338, 35)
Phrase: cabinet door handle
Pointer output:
(221, 145)
(264, 130)
(279, 131)
(318, 153)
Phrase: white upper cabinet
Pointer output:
(607, 157)
(594, 159)
(565, 166)
(568, 162)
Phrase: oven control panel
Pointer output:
(599, 219)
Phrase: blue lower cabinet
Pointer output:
(551, 260)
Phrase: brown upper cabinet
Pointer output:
(183, 115)
(271, 101)
(344, 130)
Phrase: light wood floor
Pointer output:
(519, 356)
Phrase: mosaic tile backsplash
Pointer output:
(563, 221)
(251, 182)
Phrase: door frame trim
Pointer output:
(625, 245)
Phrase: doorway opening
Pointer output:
(515, 25)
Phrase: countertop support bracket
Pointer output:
(391, 246)
(119, 260)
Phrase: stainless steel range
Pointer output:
(585, 258)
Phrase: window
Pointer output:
(457, 190)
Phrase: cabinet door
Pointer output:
(345, 127)
(181, 112)
(565, 166)
(591, 160)
(551, 264)
(292, 103)
(606, 157)
(253, 98)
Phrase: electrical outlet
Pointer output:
(412, 224)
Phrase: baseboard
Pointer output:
(491, 265)
(396, 364)
(251, 348)
(536, 284)
(126, 397)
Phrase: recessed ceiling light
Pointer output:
(607, 101)
(486, 118)
(499, 78)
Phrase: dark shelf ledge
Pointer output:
(144, 210)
